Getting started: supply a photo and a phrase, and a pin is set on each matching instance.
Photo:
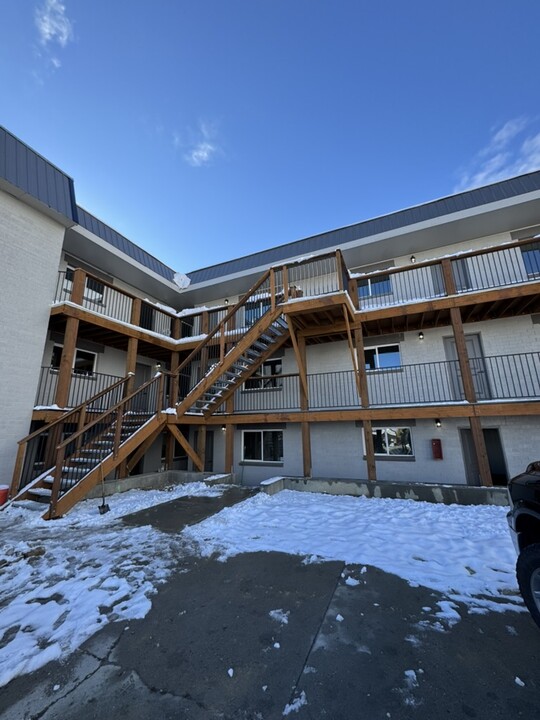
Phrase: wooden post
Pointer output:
(448, 276)
(481, 451)
(463, 357)
(272, 289)
(169, 452)
(132, 348)
(70, 342)
(201, 444)
(229, 438)
(175, 362)
(304, 406)
(370, 450)
(285, 278)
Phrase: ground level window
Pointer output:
(382, 357)
(262, 445)
(392, 441)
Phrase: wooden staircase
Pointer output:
(109, 428)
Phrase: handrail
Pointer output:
(79, 411)
(113, 415)
(101, 417)
(222, 324)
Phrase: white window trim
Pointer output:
(261, 461)
(373, 282)
(390, 455)
(379, 369)
(90, 352)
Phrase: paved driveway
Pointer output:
(265, 634)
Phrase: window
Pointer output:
(84, 363)
(382, 357)
(267, 377)
(255, 310)
(262, 445)
(392, 441)
(371, 287)
(531, 260)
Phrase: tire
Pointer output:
(528, 576)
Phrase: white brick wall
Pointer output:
(30, 248)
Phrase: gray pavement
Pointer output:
(209, 648)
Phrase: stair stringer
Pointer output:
(251, 370)
(72, 496)
(234, 354)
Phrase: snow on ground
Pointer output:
(63, 580)
(464, 552)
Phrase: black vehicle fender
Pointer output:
(526, 523)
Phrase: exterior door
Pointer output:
(497, 463)
(142, 375)
(476, 362)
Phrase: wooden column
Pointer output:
(466, 377)
(169, 451)
(304, 406)
(175, 362)
(132, 348)
(70, 342)
(364, 400)
(229, 439)
(481, 452)
(201, 443)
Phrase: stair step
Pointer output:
(41, 492)
(34, 505)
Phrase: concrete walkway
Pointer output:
(211, 648)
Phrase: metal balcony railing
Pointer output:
(82, 386)
(503, 377)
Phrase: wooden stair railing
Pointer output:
(50, 435)
(98, 448)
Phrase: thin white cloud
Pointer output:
(202, 149)
(513, 149)
(53, 26)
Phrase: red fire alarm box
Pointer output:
(436, 449)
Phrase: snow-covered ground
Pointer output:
(62, 581)
(464, 552)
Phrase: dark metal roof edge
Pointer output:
(417, 212)
(157, 266)
(39, 155)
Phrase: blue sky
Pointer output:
(208, 129)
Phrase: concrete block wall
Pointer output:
(30, 248)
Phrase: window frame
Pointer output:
(269, 381)
(379, 369)
(371, 283)
(532, 249)
(389, 455)
(56, 369)
(261, 460)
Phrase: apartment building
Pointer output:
(404, 348)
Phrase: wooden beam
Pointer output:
(201, 443)
(370, 450)
(142, 449)
(463, 357)
(481, 451)
(195, 459)
(66, 362)
(362, 374)
(299, 359)
(230, 430)
(354, 356)
(304, 405)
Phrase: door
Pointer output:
(477, 365)
(142, 375)
(497, 463)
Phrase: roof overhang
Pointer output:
(503, 216)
